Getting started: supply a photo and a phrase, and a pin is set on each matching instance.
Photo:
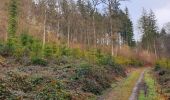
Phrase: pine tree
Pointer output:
(13, 14)
(127, 34)
(12, 25)
(149, 28)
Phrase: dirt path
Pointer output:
(126, 89)
(135, 92)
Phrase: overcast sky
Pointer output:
(160, 7)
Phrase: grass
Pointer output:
(124, 90)
(151, 89)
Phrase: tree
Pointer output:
(94, 4)
(167, 27)
(149, 29)
(12, 23)
(66, 14)
(13, 15)
(113, 9)
(127, 33)
(161, 47)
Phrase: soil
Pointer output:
(140, 85)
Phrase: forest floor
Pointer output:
(124, 89)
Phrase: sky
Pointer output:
(161, 9)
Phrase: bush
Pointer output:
(92, 86)
(48, 51)
(37, 80)
(53, 91)
(5, 50)
(95, 79)
(119, 70)
(135, 63)
(105, 60)
(76, 52)
(157, 67)
(163, 63)
(19, 82)
(122, 60)
(39, 61)
(84, 69)
(2, 49)
(65, 51)
(26, 40)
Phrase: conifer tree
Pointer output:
(12, 24)
(13, 14)
(149, 30)
(127, 34)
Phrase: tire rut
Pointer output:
(138, 86)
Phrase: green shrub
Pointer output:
(48, 51)
(135, 63)
(84, 69)
(163, 63)
(53, 90)
(105, 60)
(122, 60)
(76, 52)
(26, 40)
(157, 67)
(2, 49)
(39, 61)
(119, 70)
(7, 50)
(101, 58)
(65, 51)
(95, 79)
(37, 80)
(92, 86)
(19, 82)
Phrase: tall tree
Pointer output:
(127, 34)
(13, 15)
(113, 9)
(95, 3)
(66, 14)
(149, 29)
(12, 23)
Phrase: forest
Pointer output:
(81, 50)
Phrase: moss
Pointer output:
(151, 88)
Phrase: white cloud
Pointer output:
(163, 14)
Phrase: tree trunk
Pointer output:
(58, 28)
(155, 49)
(68, 34)
(94, 31)
(44, 34)
(111, 30)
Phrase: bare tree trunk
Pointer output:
(94, 31)
(111, 28)
(58, 29)
(155, 50)
(44, 34)
(68, 34)
(6, 37)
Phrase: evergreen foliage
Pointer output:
(149, 29)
